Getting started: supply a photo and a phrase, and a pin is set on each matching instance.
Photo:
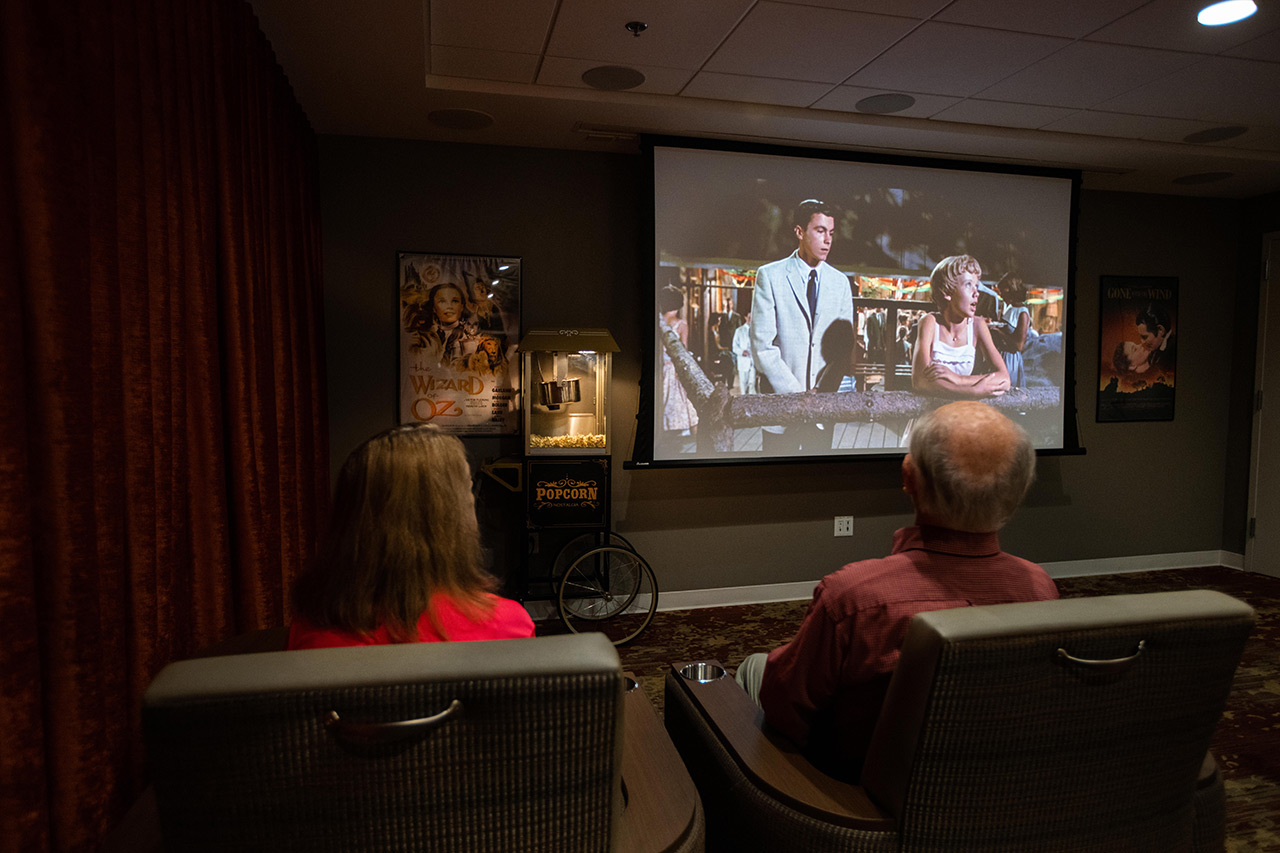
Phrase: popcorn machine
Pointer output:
(566, 375)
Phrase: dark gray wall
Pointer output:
(576, 218)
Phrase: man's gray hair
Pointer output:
(978, 486)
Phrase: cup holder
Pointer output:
(631, 684)
(702, 672)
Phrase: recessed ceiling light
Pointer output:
(1215, 134)
(1203, 178)
(1226, 12)
(612, 78)
(460, 119)
(888, 103)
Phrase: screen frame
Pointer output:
(643, 441)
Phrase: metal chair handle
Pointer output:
(390, 732)
(1115, 666)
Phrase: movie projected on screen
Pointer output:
(809, 306)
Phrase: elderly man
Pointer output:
(966, 473)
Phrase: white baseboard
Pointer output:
(694, 599)
(691, 599)
(1143, 563)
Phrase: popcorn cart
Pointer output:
(595, 576)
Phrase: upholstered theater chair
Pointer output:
(514, 745)
(1073, 725)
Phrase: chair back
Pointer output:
(498, 745)
(1078, 724)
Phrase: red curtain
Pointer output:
(163, 446)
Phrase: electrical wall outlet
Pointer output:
(844, 525)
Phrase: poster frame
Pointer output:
(1128, 395)
(453, 378)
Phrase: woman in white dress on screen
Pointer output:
(949, 340)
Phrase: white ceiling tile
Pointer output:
(949, 59)
(1085, 73)
(483, 64)
(760, 90)
(1265, 48)
(358, 69)
(680, 34)
(1001, 114)
(558, 71)
(921, 9)
(514, 26)
(805, 42)
(1071, 19)
(846, 98)
(1128, 126)
(1216, 89)
(1172, 25)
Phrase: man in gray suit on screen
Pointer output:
(796, 300)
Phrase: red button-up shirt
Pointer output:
(824, 689)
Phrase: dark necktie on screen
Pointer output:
(813, 294)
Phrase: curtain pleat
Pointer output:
(163, 445)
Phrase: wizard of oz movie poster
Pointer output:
(459, 329)
(1138, 348)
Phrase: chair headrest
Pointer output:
(363, 666)
(1071, 614)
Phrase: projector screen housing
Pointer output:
(723, 211)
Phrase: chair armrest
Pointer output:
(772, 762)
(661, 811)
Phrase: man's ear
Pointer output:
(910, 482)
(799, 232)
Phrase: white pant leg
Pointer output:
(751, 674)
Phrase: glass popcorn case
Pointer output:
(566, 375)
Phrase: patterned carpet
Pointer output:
(1247, 744)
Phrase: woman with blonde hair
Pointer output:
(950, 340)
(401, 563)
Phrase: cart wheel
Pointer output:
(611, 590)
(579, 545)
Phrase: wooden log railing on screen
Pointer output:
(720, 413)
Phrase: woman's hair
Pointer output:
(1123, 360)
(670, 298)
(403, 527)
(1014, 286)
(945, 278)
